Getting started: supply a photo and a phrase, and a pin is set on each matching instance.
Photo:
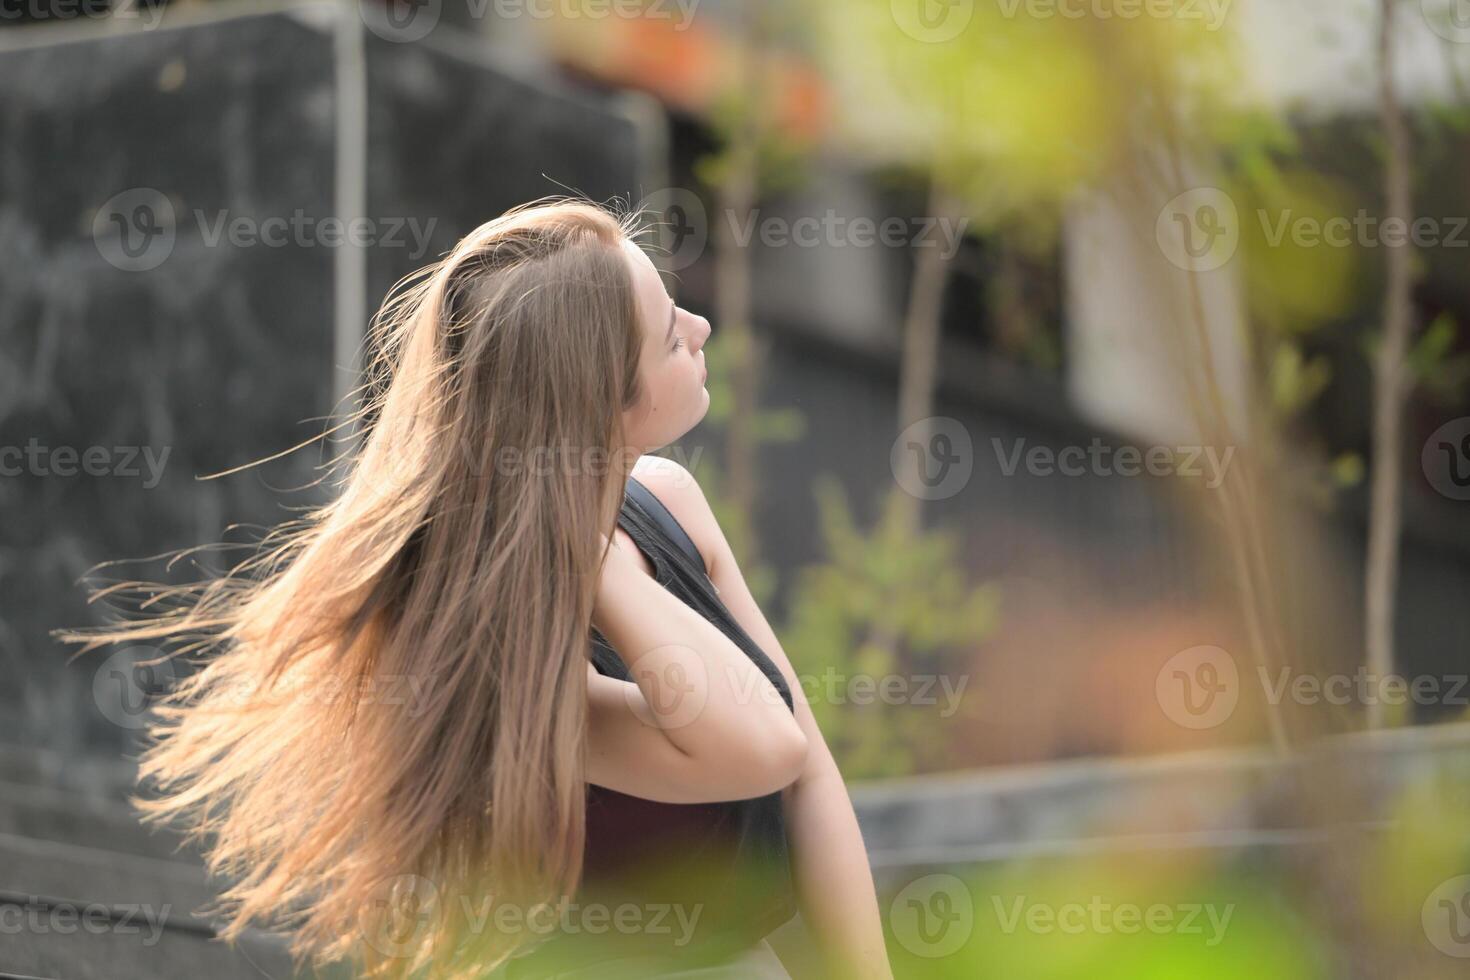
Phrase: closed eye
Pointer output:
(678, 342)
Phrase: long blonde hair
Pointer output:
(460, 558)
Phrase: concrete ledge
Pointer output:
(83, 876)
(61, 817)
(87, 776)
(1220, 799)
(123, 953)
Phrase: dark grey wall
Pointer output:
(211, 351)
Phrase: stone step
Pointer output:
(43, 813)
(1234, 799)
(71, 912)
(96, 776)
(59, 945)
(83, 875)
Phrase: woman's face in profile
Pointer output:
(671, 364)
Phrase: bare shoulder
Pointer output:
(678, 490)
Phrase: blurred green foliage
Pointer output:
(912, 588)
(1109, 918)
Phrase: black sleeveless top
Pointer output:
(692, 882)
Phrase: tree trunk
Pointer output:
(918, 370)
(735, 198)
(1390, 382)
(921, 336)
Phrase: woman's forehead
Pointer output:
(642, 264)
(648, 285)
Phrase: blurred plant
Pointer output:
(1294, 293)
(1298, 293)
(1007, 119)
(1004, 122)
(1115, 917)
(1425, 843)
(900, 584)
(1443, 375)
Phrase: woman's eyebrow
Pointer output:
(673, 312)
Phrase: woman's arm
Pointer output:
(688, 730)
(834, 883)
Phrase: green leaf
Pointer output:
(1347, 470)
(1433, 344)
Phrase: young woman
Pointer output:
(598, 762)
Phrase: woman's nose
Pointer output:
(702, 333)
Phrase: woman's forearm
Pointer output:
(834, 884)
(700, 688)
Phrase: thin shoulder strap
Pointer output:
(666, 521)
